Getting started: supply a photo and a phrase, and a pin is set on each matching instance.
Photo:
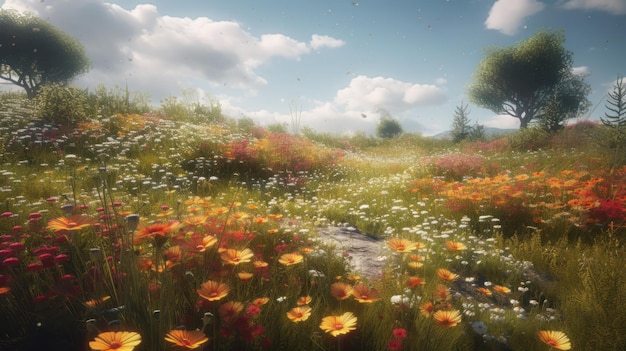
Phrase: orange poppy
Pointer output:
(230, 310)
(235, 257)
(188, 339)
(304, 300)
(341, 291)
(299, 314)
(447, 318)
(426, 309)
(75, 222)
(115, 341)
(413, 282)
(213, 291)
(364, 294)
(455, 246)
(446, 275)
(501, 289)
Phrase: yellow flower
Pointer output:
(289, 259)
(426, 309)
(115, 341)
(447, 318)
(485, 291)
(75, 222)
(230, 310)
(260, 301)
(337, 325)
(555, 339)
(364, 294)
(245, 276)
(189, 339)
(446, 275)
(213, 291)
(341, 291)
(299, 314)
(235, 257)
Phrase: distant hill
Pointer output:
(489, 132)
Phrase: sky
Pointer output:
(331, 65)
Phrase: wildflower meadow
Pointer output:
(148, 230)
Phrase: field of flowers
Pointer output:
(141, 232)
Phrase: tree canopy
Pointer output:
(33, 52)
(520, 80)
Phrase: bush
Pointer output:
(528, 139)
(388, 128)
(61, 104)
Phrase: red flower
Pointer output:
(394, 345)
(399, 333)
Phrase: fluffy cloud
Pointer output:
(581, 70)
(365, 93)
(507, 15)
(161, 54)
(502, 122)
(616, 7)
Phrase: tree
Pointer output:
(552, 120)
(388, 127)
(519, 80)
(33, 52)
(616, 104)
(461, 128)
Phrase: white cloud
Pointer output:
(320, 41)
(502, 122)
(365, 93)
(507, 15)
(163, 54)
(581, 70)
(616, 7)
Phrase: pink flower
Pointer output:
(399, 333)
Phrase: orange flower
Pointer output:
(441, 293)
(402, 245)
(426, 309)
(245, 276)
(260, 264)
(290, 259)
(555, 339)
(4, 290)
(188, 339)
(365, 294)
(485, 291)
(213, 291)
(115, 341)
(455, 246)
(447, 318)
(195, 220)
(75, 222)
(299, 314)
(341, 291)
(304, 300)
(93, 303)
(159, 232)
(415, 265)
(412, 282)
(446, 275)
(501, 289)
(235, 257)
(260, 301)
(230, 310)
(337, 325)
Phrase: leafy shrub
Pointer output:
(388, 128)
(61, 104)
(528, 139)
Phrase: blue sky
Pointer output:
(338, 63)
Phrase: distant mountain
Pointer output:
(489, 132)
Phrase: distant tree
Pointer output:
(477, 132)
(552, 119)
(33, 52)
(616, 104)
(519, 80)
(388, 127)
(461, 127)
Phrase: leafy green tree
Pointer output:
(520, 80)
(616, 104)
(461, 127)
(33, 52)
(477, 132)
(388, 127)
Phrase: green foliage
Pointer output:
(528, 139)
(552, 119)
(189, 108)
(105, 102)
(388, 128)
(62, 104)
(519, 80)
(33, 52)
(461, 127)
(616, 104)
